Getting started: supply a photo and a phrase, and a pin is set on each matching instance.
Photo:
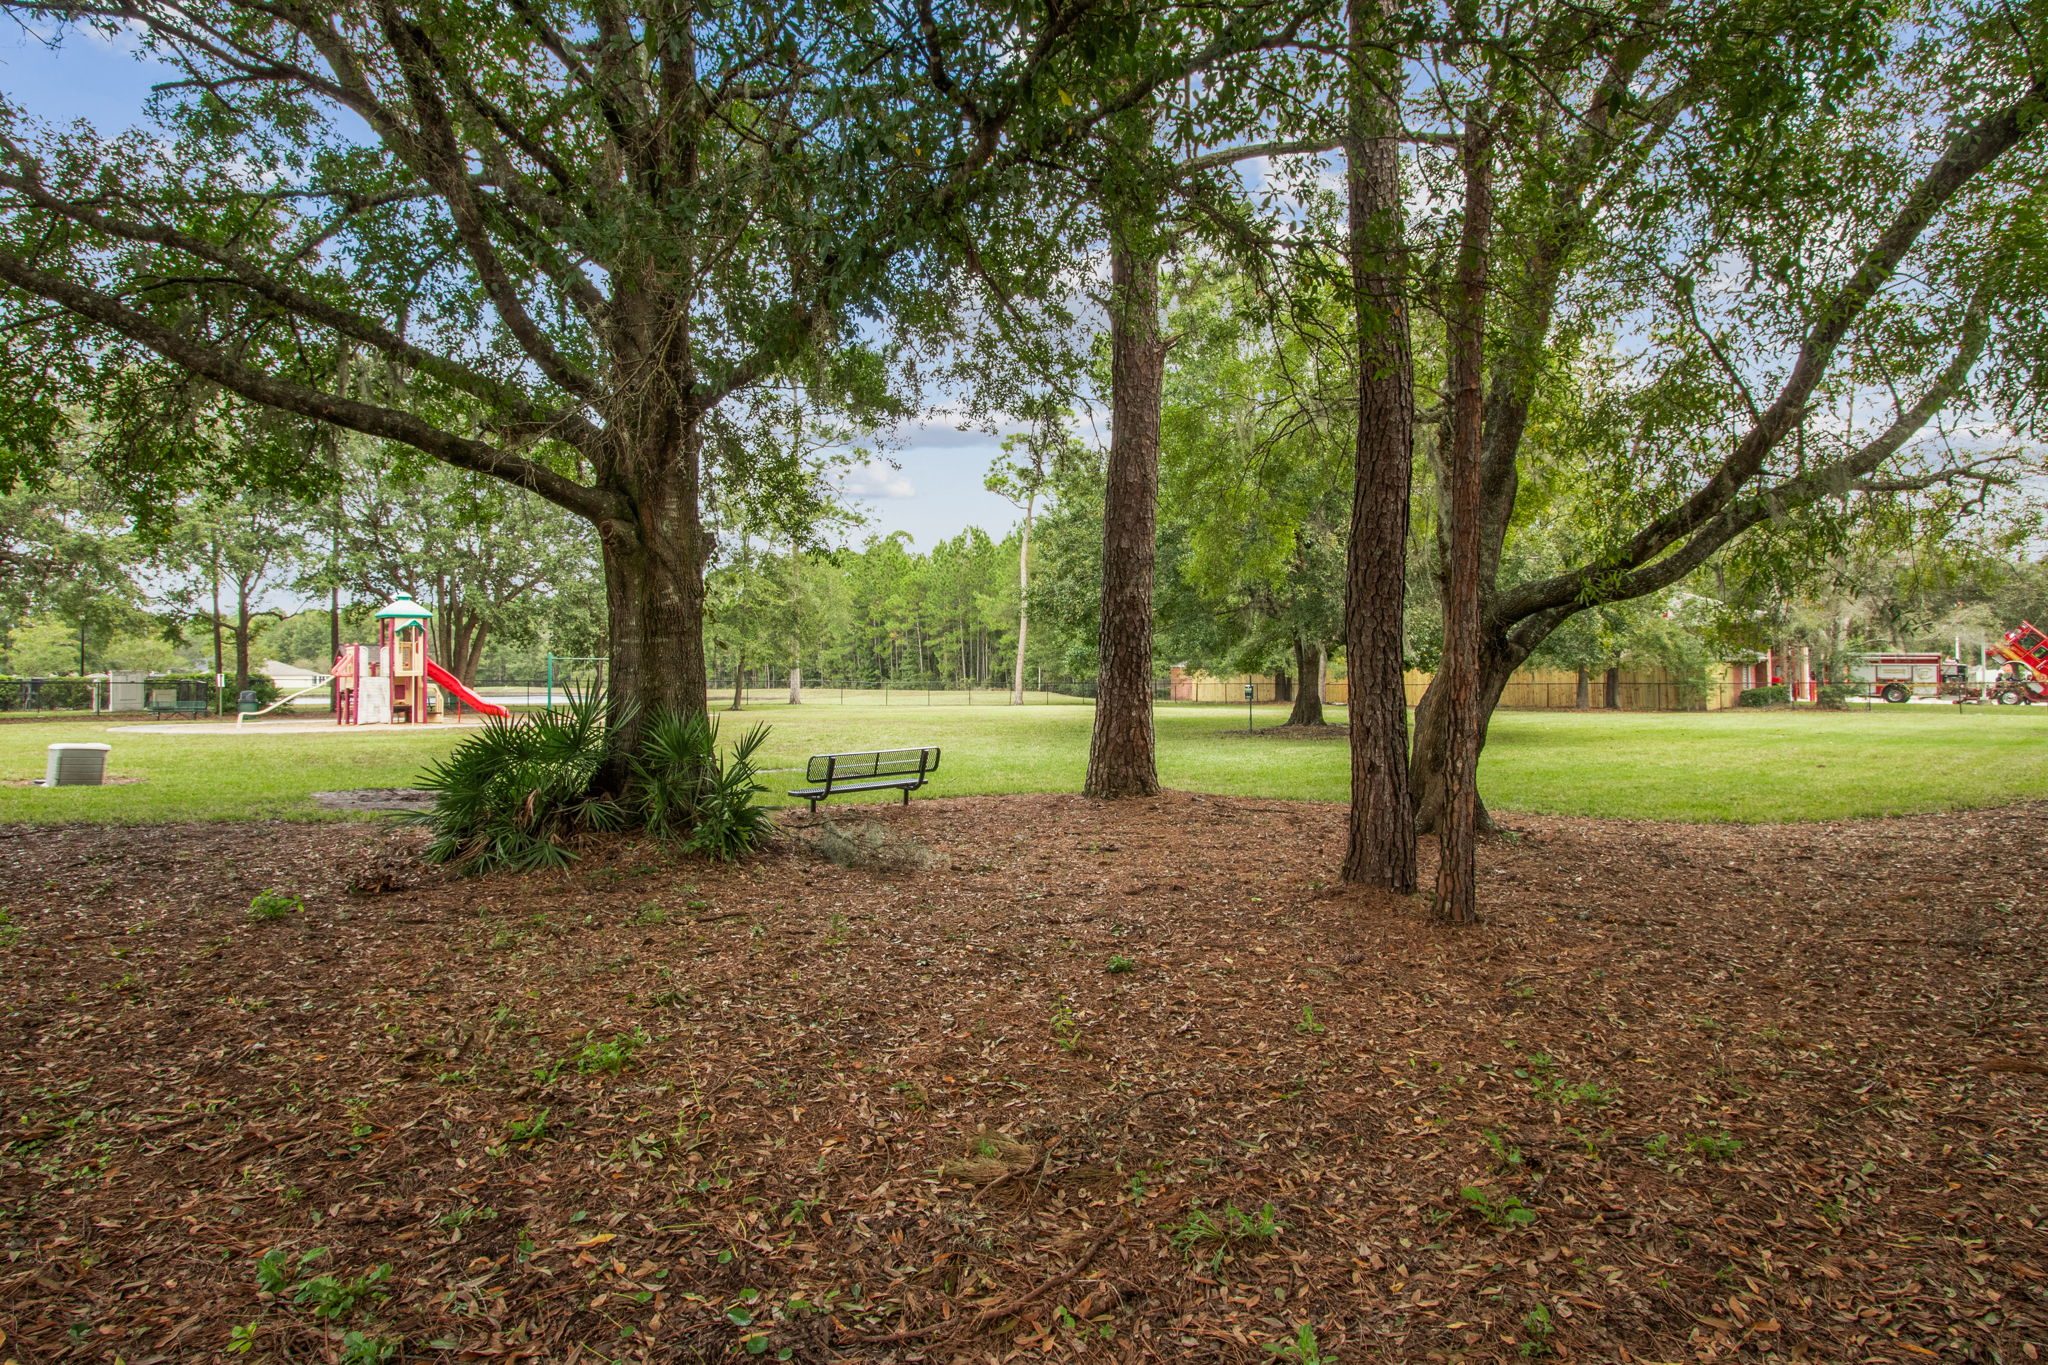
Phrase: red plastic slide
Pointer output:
(463, 694)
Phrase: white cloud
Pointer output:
(877, 479)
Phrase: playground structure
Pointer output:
(393, 681)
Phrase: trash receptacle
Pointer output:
(77, 765)
(246, 703)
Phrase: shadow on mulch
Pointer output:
(1127, 1080)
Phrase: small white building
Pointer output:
(288, 677)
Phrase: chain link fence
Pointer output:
(771, 688)
(180, 693)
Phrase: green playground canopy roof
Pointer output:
(405, 609)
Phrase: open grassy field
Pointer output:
(1732, 765)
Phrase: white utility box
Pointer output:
(77, 765)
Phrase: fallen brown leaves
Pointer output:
(1692, 1093)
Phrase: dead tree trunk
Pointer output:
(1457, 885)
(1380, 844)
(1120, 755)
(1023, 593)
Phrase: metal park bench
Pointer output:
(165, 701)
(876, 770)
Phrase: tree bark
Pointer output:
(654, 597)
(334, 642)
(1380, 845)
(1457, 884)
(1121, 761)
(473, 652)
(1584, 699)
(219, 666)
(1611, 690)
(1498, 660)
(796, 681)
(241, 639)
(1308, 697)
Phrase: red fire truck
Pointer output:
(2017, 673)
(1901, 677)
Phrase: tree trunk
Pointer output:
(442, 632)
(473, 653)
(1457, 884)
(1498, 660)
(796, 681)
(1023, 598)
(241, 639)
(739, 680)
(1380, 847)
(219, 666)
(1308, 698)
(654, 599)
(1584, 699)
(1120, 756)
(1611, 690)
(334, 642)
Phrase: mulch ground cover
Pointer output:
(1028, 1078)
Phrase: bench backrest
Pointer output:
(830, 768)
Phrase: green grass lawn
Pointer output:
(1728, 765)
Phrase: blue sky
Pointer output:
(935, 493)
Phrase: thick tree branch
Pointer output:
(1227, 156)
(1580, 588)
(211, 363)
(1968, 153)
(515, 405)
(445, 169)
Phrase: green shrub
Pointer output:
(1236, 1225)
(1776, 695)
(44, 694)
(1713, 1148)
(274, 904)
(516, 794)
(1505, 1212)
(1832, 696)
(690, 793)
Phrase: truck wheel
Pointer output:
(1895, 693)
(2008, 698)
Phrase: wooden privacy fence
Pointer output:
(1530, 689)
